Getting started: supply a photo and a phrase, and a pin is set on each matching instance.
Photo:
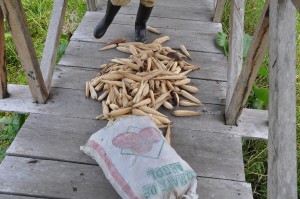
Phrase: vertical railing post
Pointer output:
(52, 42)
(297, 4)
(219, 11)
(3, 75)
(250, 69)
(16, 18)
(282, 155)
(236, 37)
(94, 5)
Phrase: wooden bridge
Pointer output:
(44, 161)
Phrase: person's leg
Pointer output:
(113, 7)
(142, 17)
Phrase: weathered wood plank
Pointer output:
(86, 55)
(72, 103)
(194, 41)
(211, 92)
(296, 4)
(48, 61)
(16, 18)
(3, 74)
(4, 196)
(219, 11)
(247, 77)
(282, 156)
(252, 124)
(69, 180)
(196, 10)
(236, 37)
(157, 22)
(209, 154)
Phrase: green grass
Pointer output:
(255, 151)
(38, 16)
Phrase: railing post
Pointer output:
(94, 5)
(3, 75)
(16, 18)
(282, 155)
(219, 11)
(53, 37)
(236, 37)
(250, 69)
(297, 4)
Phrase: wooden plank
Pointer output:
(219, 11)
(282, 147)
(253, 124)
(296, 4)
(86, 55)
(212, 119)
(157, 22)
(247, 77)
(209, 154)
(4, 196)
(53, 37)
(73, 103)
(194, 41)
(211, 92)
(3, 74)
(236, 37)
(16, 18)
(195, 10)
(68, 180)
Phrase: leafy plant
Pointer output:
(11, 125)
(261, 95)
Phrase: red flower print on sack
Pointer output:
(138, 143)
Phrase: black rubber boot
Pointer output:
(110, 14)
(140, 23)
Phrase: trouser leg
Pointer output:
(145, 9)
(120, 2)
(111, 11)
(148, 3)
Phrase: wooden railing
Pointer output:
(38, 76)
(277, 25)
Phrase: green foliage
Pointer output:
(255, 160)
(260, 95)
(38, 17)
(246, 44)
(222, 41)
(10, 126)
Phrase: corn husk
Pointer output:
(152, 76)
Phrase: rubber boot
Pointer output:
(140, 23)
(110, 14)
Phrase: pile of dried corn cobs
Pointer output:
(152, 76)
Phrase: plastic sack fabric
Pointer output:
(138, 161)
